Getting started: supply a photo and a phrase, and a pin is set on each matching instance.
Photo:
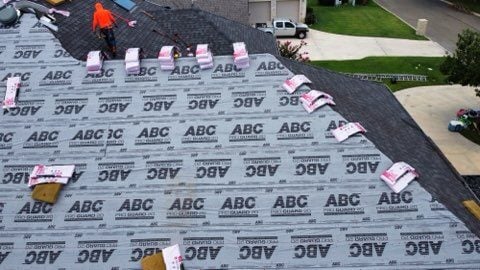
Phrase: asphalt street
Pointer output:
(444, 22)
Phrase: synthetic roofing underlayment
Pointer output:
(223, 162)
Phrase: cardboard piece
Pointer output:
(55, 2)
(47, 192)
(473, 207)
(153, 262)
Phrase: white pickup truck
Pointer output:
(285, 28)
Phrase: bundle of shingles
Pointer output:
(166, 59)
(240, 55)
(204, 56)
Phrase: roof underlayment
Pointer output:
(223, 162)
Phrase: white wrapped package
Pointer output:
(398, 176)
(132, 55)
(13, 83)
(292, 84)
(343, 132)
(206, 66)
(132, 61)
(47, 179)
(240, 53)
(172, 257)
(132, 67)
(165, 57)
(166, 67)
(315, 99)
(94, 62)
(202, 51)
(50, 174)
(166, 54)
(206, 60)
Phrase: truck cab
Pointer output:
(285, 28)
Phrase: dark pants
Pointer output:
(109, 38)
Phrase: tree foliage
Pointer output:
(290, 51)
(463, 66)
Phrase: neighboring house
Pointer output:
(223, 161)
(261, 11)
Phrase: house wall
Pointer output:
(290, 9)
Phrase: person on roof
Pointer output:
(103, 19)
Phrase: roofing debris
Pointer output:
(222, 161)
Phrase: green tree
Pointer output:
(463, 66)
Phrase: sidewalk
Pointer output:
(432, 107)
(327, 46)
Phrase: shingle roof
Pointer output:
(193, 26)
(395, 133)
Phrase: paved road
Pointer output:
(444, 22)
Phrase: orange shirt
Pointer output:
(102, 17)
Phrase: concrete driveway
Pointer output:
(444, 22)
(432, 107)
(327, 46)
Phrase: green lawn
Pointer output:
(368, 20)
(403, 65)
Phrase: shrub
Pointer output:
(310, 18)
(290, 51)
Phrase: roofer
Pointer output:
(104, 19)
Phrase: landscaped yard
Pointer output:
(368, 20)
(395, 65)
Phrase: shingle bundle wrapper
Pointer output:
(173, 258)
(13, 84)
(132, 61)
(315, 99)
(94, 62)
(204, 56)
(153, 262)
(292, 84)
(165, 57)
(48, 181)
(398, 176)
(240, 55)
(343, 132)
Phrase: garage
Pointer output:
(288, 9)
(259, 12)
